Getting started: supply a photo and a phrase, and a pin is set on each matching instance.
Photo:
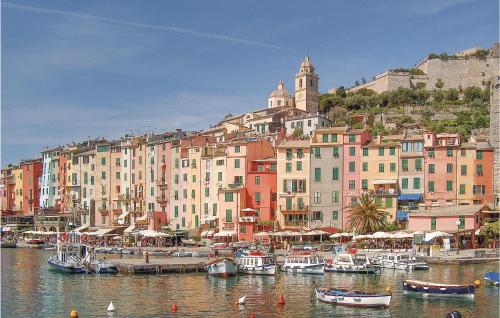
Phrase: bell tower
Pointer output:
(306, 87)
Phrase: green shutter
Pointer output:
(431, 186)
(449, 186)
(392, 167)
(335, 174)
(365, 166)
(388, 202)
(433, 223)
(462, 189)
(317, 174)
(479, 155)
(288, 204)
(364, 183)
(416, 183)
(404, 183)
(418, 164)
(461, 218)
(335, 151)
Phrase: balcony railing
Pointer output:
(248, 219)
(231, 220)
(294, 207)
(388, 192)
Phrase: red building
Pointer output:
(32, 172)
(261, 199)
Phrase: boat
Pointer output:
(69, 258)
(304, 262)
(429, 289)
(101, 267)
(492, 278)
(8, 244)
(344, 297)
(222, 267)
(351, 263)
(402, 261)
(257, 263)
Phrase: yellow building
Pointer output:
(17, 172)
(379, 171)
(293, 188)
(465, 173)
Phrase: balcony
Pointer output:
(248, 219)
(382, 192)
(294, 208)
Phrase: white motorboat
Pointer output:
(344, 297)
(304, 262)
(256, 263)
(222, 267)
(351, 263)
(70, 258)
(402, 261)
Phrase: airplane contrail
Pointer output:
(206, 35)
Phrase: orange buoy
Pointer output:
(174, 308)
(281, 300)
(251, 315)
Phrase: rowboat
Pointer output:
(348, 263)
(429, 289)
(492, 278)
(344, 297)
(223, 267)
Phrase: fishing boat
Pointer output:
(351, 263)
(344, 297)
(257, 263)
(222, 267)
(304, 262)
(492, 278)
(402, 261)
(429, 289)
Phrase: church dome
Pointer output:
(280, 91)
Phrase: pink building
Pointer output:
(441, 169)
(351, 179)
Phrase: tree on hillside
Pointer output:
(363, 80)
(472, 93)
(451, 95)
(366, 216)
(356, 83)
(298, 132)
(439, 83)
(341, 92)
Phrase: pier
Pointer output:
(160, 266)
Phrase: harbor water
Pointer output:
(31, 289)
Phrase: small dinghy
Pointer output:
(492, 278)
(344, 297)
(429, 289)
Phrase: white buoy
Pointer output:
(111, 307)
(241, 301)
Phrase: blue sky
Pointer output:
(82, 68)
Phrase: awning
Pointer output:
(384, 181)
(401, 215)
(121, 217)
(433, 235)
(129, 229)
(151, 233)
(80, 228)
(142, 220)
(225, 233)
(101, 232)
(410, 197)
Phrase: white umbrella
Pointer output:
(261, 234)
(341, 234)
(382, 235)
(401, 235)
(433, 235)
(360, 237)
(117, 237)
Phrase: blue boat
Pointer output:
(492, 278)
(429, 289)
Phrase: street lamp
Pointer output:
(458, 229)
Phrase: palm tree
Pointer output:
(365, 216)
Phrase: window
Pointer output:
(260, 167)
(354, 201)
(381, 151)
(392, 151)
(352, 166)
(125, 163)
(219, 176)
(184, 193)
(289, 154)
(449, 168)
(404, 164)
(365, 166)
(463, 170)
(432, 153)
(288, 167)
(432, 168)
(478, 189)
(479, 170)
(183, 222)
(352, 138)
(449, 186)
(352, 151)
(257, 179)
(207, 192)
(365, 152)
(117, 175)
(336, 152)
(404, 183)
(317, 174)
(214, 209)
(335, 197)
(335, 174)
(317, 152)
(228, 197)
(185, 177)
(416, 183)
(381, 167)
(317, 216)
(237, 149)
(418, 164)
(236, 163)
(388, 202)
(103, 161)
(462, 189)
(463, 152)
(364, 184)
(288, 204)
(335, 215)
(193, 209)
(273, 167)
(433, 223)
(449, 152)
(479, 155)
(117, 161)
(152, 191)
(334, 138)
(300, 153)
(229, 215)
(392, 167)
(325, 137)
(243, 228)
(352, 184)
(430, 186)
(317, 197)
(193, 178)
(257, 196)
(103, 175)
(299, 165)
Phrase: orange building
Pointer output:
(32, 172)
(482, 189)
